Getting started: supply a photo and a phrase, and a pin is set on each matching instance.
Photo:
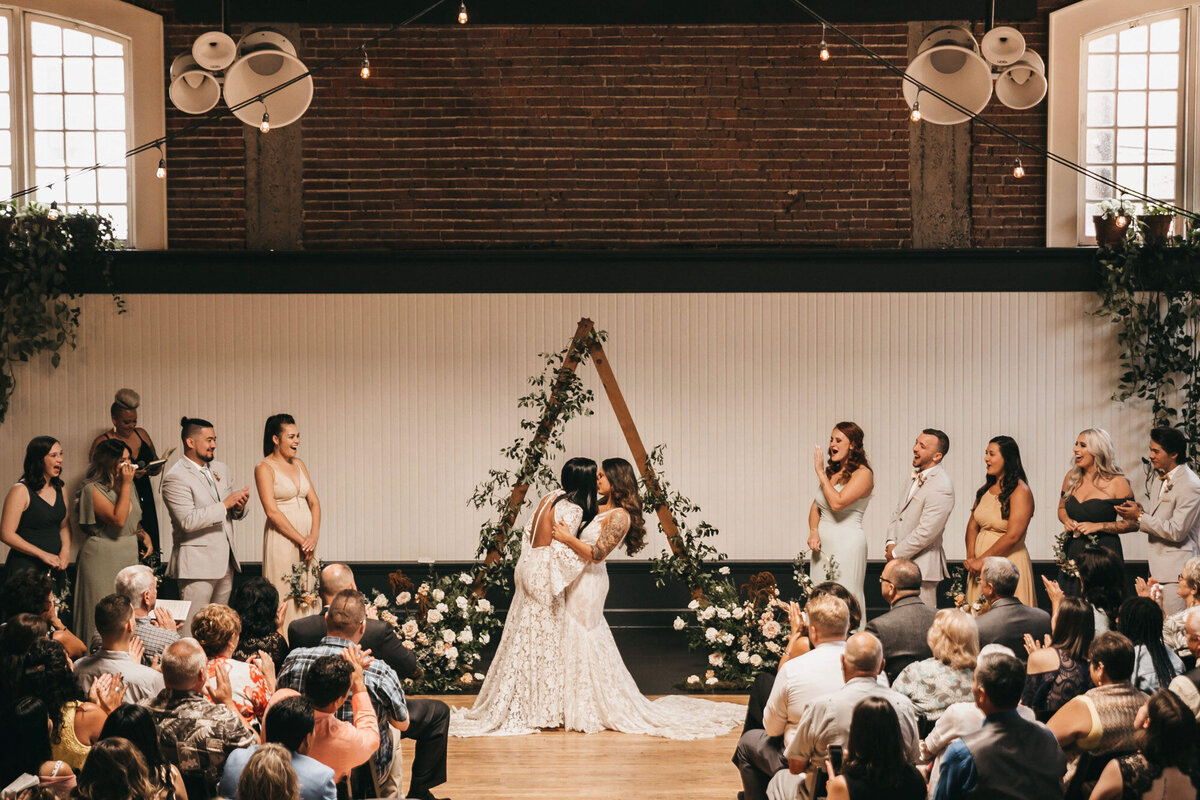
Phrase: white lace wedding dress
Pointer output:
(600, 693)
(523, 690)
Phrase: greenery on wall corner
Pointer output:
(1149, 290)
(44, 265)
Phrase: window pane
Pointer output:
(5, 153)
(1132, 72)
(77, 75)
(76, 43)
(47, 75)
(1161, 145)
(4, 84)
(1134, 40)
(81, 149)
(1104, 44)
(1132, 177)
(110, 75)
(82, 188)
(1164, 71)
(80, 112)
(6, 187)
(112, 185)
(1160, 182)
(5, 111)
(48, 112)
(110, 112)
(4, 38)
(107, 47)
(1164, 36)
(1100, 108)
(1102, 72)
(1100, 145)
(110, 146)
(1131, 146)
(1098, 190)
(48, 149)
(1131, 109)
(45, 40)
(120, 219)
(50, 182)
(1164, 107)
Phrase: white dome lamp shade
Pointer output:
(214, 50)
(947, 62)
(193, 90)
(1002, 46)
(266, 59)
(1022, 84)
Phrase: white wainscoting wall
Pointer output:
(404, 401)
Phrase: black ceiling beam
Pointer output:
(606, 12)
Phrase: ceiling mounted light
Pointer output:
(1022, 84)
(193, 90)
(266, 59)
(949, 63)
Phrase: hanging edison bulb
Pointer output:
(824, 47)
(365, 72)
(462, 13)
(1018, 168)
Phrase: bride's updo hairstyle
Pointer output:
(857, 457)
(579, 484)
(623, 481)
(273, 428)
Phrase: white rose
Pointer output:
(410, 644)
(409, 628)
(693, 679)
(679, 624)
(711, 634)
(708, 613)
(756, 660)
(460, 601)
(484, 638)
(773, 647)
(484, 606)
(466, 636)
(434, 616)
(380, 601)
(478, 676)
(727, 639)
(442, 607)
(466, 678)
(464, 577)
(439, 595)
(739, 612)
(403, 598)
(423, 588)
(693, 606)
(771, 629)
(724, 570)
(451, 653)
(723, 613)
(439, 647)
(743, 657)
(716, 659)
(711, 681)
(448, 636)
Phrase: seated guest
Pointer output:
(1009, 620)
(77, 721)
(257, 605)
(115, 771)
(269, 775)
(934, 684)
(16, 637)
(114, 623)
(1058, 671)
(1008, 757)
(135, 723)
(902, 629)
(216, 628)
(1187, 686)
(1100, 721)
(289, 724)
(30, 591)
(153, 624)
(1154, 664)
(26, 749)
(876, 760)
(827, 719)
(1165, 763)
(429, 720)
(194, 732)
(331, 681)
(345, 623)
(1188, 589)
(802, 677)
(1102, 583)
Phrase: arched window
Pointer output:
(78, 91)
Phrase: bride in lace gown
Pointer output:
(523, 690)
(600, 693)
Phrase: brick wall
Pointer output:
(601, 137)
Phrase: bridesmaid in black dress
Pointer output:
(34, 520)
(1091, 491)
(125, 429)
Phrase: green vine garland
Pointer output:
(44, 263)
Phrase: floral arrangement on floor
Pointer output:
(957, 593)
(444, 622)
(305, 583)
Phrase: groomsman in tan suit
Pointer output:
(916, 527)
(203, 504)
(1173, 523)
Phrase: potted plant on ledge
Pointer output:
(1115, 220)
(1155, 222)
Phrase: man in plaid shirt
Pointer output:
(345, 623)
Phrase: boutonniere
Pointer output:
(921, 478)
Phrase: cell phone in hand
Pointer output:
(835, 758)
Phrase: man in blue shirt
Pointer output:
(1009, 757)
(289, 723)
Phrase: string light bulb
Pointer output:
(824, 47)
(1018, 168)
(52, 214)
(365, 72)
(161, 172)
(915, 116)
(462, 13)
(1122, 221)
(265, 125)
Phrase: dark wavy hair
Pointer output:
(133, 722)
(26, 739)
(273, 428)
(857, 457)
(578, 478)
(623, 481)
(1101, 578)
(874, 749)
(1014, 473)
(47, 675)
(1074, 628)
(26, 591)
(1170, 738)
(256, 601)
(105, 459)
(1141, 619)
(33, 474)
(114, 770)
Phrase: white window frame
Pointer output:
(146, 120)
(1067, 73)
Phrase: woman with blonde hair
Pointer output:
(1091, 491)
(934, 684)
(269, 775)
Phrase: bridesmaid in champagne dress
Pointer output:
(1000, 518)
(293, 514)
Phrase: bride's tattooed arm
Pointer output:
(614, 530)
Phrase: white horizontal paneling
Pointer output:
(404, 401)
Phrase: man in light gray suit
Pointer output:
(916, 527)
(1173, 524)
(203, 504)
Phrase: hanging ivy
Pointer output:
(44, 264)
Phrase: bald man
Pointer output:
(429, 720)
(826, 720)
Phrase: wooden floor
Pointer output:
(599, 766)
